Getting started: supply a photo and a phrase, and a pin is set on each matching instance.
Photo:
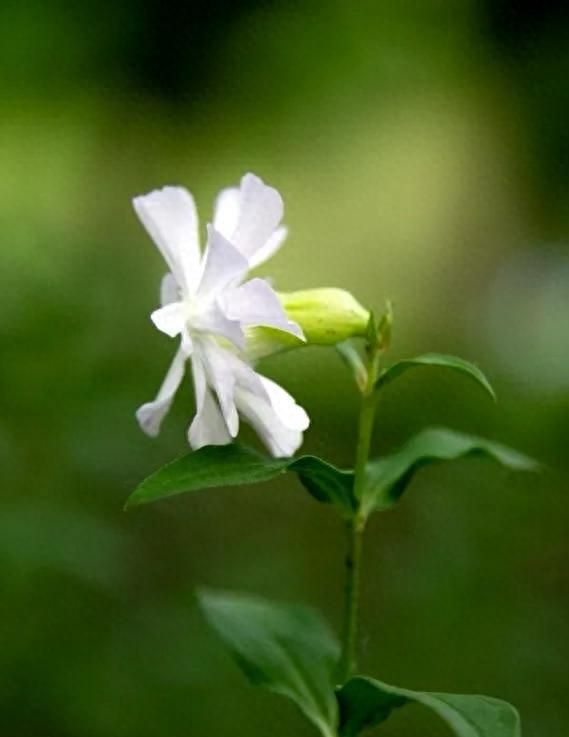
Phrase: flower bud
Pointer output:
(327, 316)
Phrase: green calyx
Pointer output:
(327, 316)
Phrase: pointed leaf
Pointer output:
(233, 465)
(287, 649)
(388, 477)
(365, 702)
(440, 360)
(225, 465)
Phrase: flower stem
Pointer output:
(356, 525)
(352, 590)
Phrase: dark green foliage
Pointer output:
(365, 702)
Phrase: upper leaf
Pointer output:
(435, 359)
(388, 477)
(365, 702)
(232, 465)
(287, 649)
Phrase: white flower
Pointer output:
(206, 302)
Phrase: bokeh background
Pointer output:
(423, 153)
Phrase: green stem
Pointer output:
(356, 525)
(352, 590)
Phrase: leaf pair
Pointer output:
(235, 465)
(387, 477)
(291, 651)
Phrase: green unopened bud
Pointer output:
(326, 316)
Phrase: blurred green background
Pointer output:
(423, 155)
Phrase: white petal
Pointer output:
(170, 319)
(221, 377)
(187, 344)
(290, 413)
(169, 215)
(223, 264)
(226, 211)
(208, 426)
(215, 321)
(276, 417)
(256, 303)
(261, 210)
(270, 248)
(151, 414)
(245, 376)
(169, 290)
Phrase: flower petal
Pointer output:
(270, 248)
(215, 321)
(226, 211)
(169, 290)
(170, 319)
(221, 377)
(151, 414)
(255, 303)
(169, 215)
(208, 426)
(261, 210)
(223, 264)
(291, 414)
(278, 420)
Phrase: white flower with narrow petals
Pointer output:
(206, 302)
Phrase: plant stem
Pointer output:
(356, 525)
(352, 591)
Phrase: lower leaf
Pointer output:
(287, 649)
(365, 702)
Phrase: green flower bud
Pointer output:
(327, 316)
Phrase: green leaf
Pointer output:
(365, 702)
(353, 361)
(435, 359)
(325, 482)
(234, 465)
(287, 649)
(388, 477)
(226, 465)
